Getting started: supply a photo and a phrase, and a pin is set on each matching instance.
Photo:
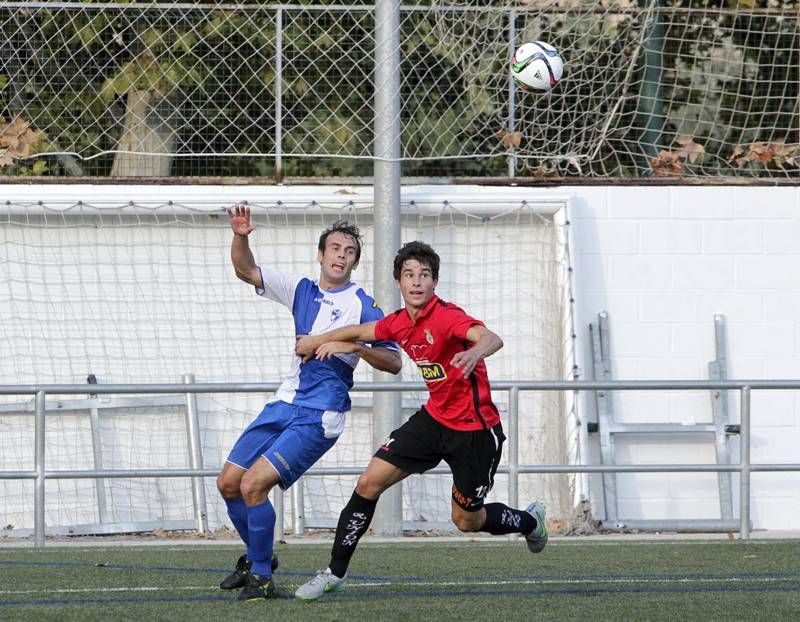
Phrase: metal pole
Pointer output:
(97, 452)
(298, 508)
(744, 463)
(279, 94)
(278, 500)
(512, 90)
(718, 370)
(605, 415)
(388, 520)
(38, 493)
(651, 105)
(513, 447)
(195, 457)
(698, 525)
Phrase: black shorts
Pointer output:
(422, 442)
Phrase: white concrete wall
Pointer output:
(662, 261)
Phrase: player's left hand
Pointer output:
(466, 361)
(327, 350)
(305, 346)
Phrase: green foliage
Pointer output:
(215, 70)
(35, 169)
(712, 66)
(223, 25)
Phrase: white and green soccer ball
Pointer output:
(536, 67)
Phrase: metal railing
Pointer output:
(514, 469)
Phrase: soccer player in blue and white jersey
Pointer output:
(306, 415)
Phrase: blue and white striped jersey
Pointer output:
(323, 385)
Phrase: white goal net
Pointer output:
(142, 291)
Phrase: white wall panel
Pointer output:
(702, 251)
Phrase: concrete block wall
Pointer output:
(662, 261)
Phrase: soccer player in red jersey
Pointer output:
(458, 424)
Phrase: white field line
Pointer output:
(93, 590)
(616, 581)
(383, 584)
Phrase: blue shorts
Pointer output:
(291, 437)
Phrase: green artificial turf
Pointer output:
(416, 580)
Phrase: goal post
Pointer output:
(134, 285)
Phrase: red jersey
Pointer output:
(438, 334)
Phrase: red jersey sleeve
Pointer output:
(383, 329)
(458, 322)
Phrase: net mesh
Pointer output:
(143, 294)
(651, 88)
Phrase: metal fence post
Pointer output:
(388, 518)
(512, 93)
(97, 452)
(513, 447)
(278, 502)
(744, 464)
(195, 457)
(38, 494)
(279, 94)
(298, 508)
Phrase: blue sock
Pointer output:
(261, 527)
(237, 511)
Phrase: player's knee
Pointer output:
(367, 487)
(248, 487)
(467, 522)
(254, 489)
(228, 487)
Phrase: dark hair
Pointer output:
(342, 226)
(419, 251)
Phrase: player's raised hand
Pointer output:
(240, 219)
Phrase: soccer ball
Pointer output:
(536, 67)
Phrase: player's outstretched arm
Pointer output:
(486, 343)
(241, 256)
(382, 359)
(307, 346)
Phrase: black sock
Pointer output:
(353, 523)
(501, 519)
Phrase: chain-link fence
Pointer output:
(694, 88)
